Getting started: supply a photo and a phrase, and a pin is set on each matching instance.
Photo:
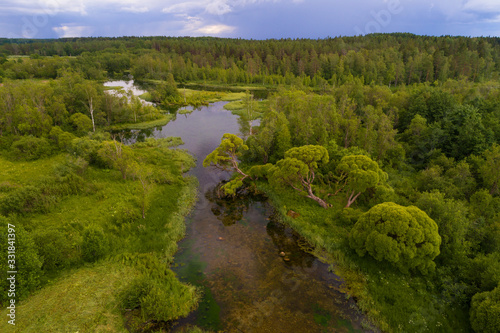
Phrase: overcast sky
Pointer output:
(257, 19)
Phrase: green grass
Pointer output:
(222, 86)
(146, 96)
(235, 105)
(83, 300)
(25, 173)
(113, 87)
(143, 125)
(185, 111)
(233, 96)
(213, 92)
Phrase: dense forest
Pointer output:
(383, 151)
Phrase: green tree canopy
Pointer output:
(225, 157)
(298, 168)
(485, 311)
(404, 236)
(357, 173)
(490, 170)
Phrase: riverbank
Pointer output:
(364, 280)
(89, 296)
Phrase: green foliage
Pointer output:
(310, 155)
(485, 311)
(116, 155)
(357, 173)
(361, 172)
(24, 200)
(289, 171)
(225, 157)
(166, 92)
(81, 122)
(27, 262)
(490, 170)
(94, 244)
(298, 168)
(158, 293)
(126, 213)
(232, 186)
(225, 154)
(260, 171)
(451, 218)
(29, 148)
(87, 149)
(405, 236)
(56, 249)
(60, 138)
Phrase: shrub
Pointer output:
(30, 148)
(60, 138)
(126, 213)
(158, 292)
(94, 245)
(87, 149)
(23, 200)
(82, 123)
(54, 248)
(27, 263)
(405, 236)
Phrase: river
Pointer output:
(253, 270)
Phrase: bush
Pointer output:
(158, 292)
(61, 138)
(87, 149)
(30, 148)
(81, 122)
(55, 249)
(126, 213)
(27, 199)
(27, 263)
(94, 245)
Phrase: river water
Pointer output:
(255, 275)
(253, 271)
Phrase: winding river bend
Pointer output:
(254, 272)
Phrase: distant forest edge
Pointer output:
(388, 59)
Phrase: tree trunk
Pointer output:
(351, 199)
(91, 108)
(311, 195)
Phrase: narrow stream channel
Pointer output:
(253, 270)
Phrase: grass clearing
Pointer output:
(143, 125)
(82, 297)
(24, 173)
(83, 300)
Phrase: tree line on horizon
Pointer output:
(389, 59)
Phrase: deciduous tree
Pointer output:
(404, 236)
(298, 169)
(356, 174)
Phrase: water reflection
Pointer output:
(257, 270)
(230, 209)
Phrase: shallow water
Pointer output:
(255, 275)
(126, 86)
